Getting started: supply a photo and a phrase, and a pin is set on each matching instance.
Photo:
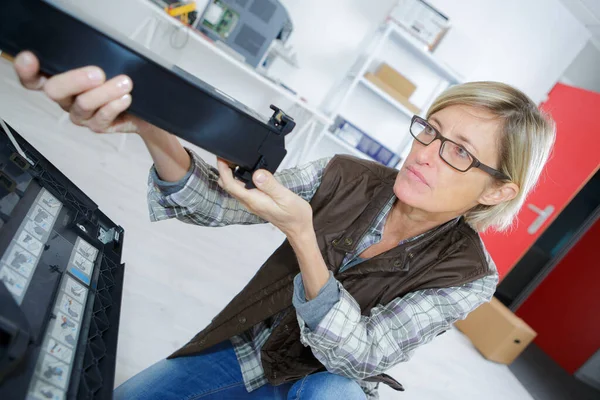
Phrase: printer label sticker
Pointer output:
(81, 267)
(30, 243)
(54, 371)
(49, 202)
(42, 217)
(36, 230)
(14, 282)
(20, 260)
(59, 350)
(65, 330)
(76, 290)
(70, 307)
(86, 249)
(42, 390)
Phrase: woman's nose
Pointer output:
(427, 154)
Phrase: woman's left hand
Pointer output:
(270, 201)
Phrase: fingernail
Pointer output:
(24, 60)
(125, 99)
(95, 75)
(124, 84)
(260, 177)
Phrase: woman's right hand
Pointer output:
(101, 106)
(84, 93)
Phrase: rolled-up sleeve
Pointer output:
(166, 187)
(314, 310)
(198, 199)
(357, 346)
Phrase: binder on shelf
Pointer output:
(364, 143)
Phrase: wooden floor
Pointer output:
(179, 276)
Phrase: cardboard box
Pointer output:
(400, 98)
(395, 80)
(496, 332)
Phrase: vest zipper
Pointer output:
(365, 233)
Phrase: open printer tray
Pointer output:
(163, 94)
(61, 281)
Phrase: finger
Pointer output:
(86, 104)
(231, 165)
(28, 70)
(226, 174)
(64, 87)
(253, 200)
(232, 186)
(105, 117)
(266, 183)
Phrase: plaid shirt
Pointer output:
(345, 342)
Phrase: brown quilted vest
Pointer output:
(351, 195)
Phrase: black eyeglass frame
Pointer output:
(475, 164)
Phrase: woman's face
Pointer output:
(426, 182)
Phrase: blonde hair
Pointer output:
(525, 144)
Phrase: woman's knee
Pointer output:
(145, 383)
(325, 385)
(184, 377)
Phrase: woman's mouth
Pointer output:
(416, 175)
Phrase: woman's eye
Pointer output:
(462, 152)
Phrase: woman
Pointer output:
(376, 263)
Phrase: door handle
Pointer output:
(543, 215)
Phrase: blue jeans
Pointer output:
(216, 374)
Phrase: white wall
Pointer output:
(327, 37)
(528, 44)
(584, 71)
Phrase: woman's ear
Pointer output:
(497, 194)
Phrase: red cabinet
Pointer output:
(575, 158)
(563, 309)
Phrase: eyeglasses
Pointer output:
(452, 153)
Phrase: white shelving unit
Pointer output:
(379, 92)
(398, 33)
(412, 59)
